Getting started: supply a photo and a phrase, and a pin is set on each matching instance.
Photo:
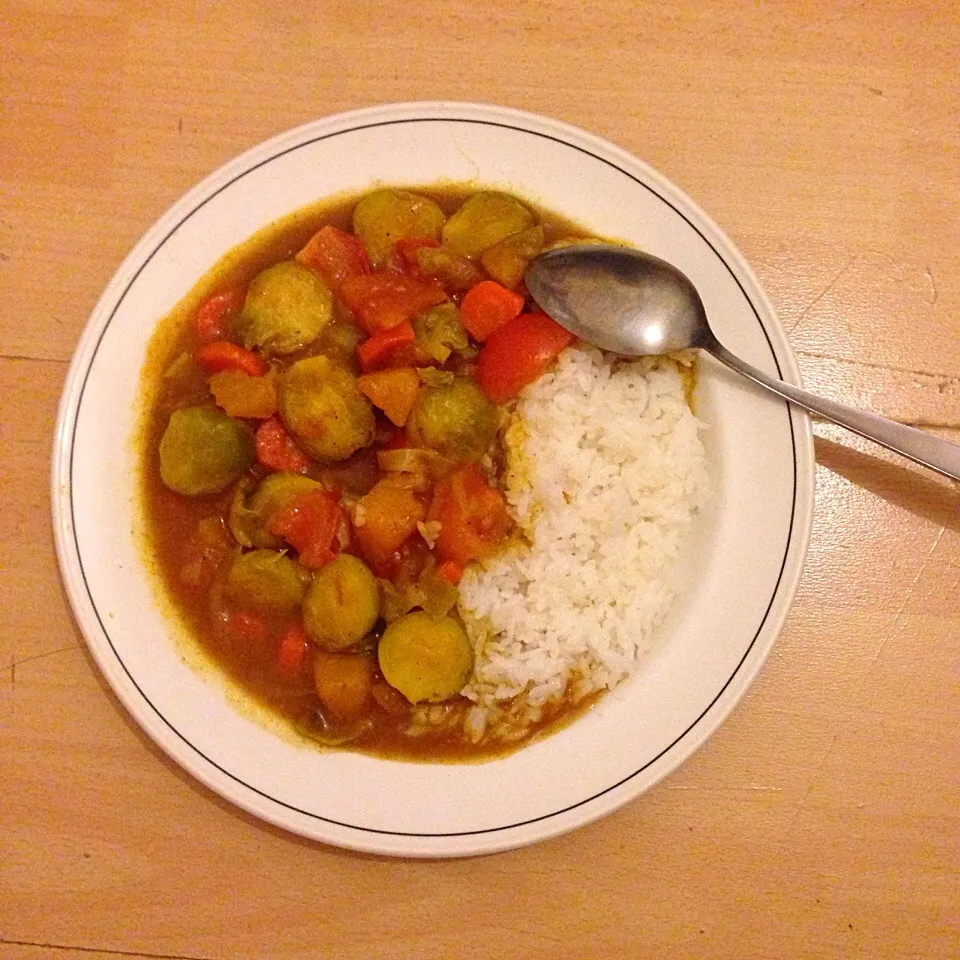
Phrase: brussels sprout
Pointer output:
(383, 217)
(287, 306)
(203, 451)
(266, 580)
(507, 260)
(440, 331)
(425, 658)
(342, 604)
(485, 219)
(250, 514)
(321, 405)
(457, 420)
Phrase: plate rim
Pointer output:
(436, 844)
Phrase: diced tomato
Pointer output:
(375, 351)
(277, 450)
(246, 625)
(385, 518)
(487, 306)
(309, 523)
(383, 300)
(393, 391)
(451, 571)
(223, 355)
(292, 652)
(473, 516)
(334, 255)
(518, 352)
(212, 320)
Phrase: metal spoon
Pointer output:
(634, 304)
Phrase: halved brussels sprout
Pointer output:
(203, 451)
(425, 658)
(266, 580)
(287, 306)
(456, 419)
(383, 217)
(342, 604)
(485, 219)
(321, 405)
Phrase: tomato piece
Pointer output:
(451, 571)
(212, 320)
(473, 516)
(292, 652)
(375, 351)
(383, 300)
(222, 355)
(309, 523)
(277, 450)
(334, 255)
(518, 352)
(487, 306)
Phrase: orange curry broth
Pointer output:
(189, 543)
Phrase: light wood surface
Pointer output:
(823, 820)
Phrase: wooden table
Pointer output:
(823, 820)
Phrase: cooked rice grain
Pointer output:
(605, 470)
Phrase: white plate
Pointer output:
(741, 572)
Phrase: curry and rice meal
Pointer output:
(395, 502)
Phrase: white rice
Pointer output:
(605, 469)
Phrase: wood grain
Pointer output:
(823, 819)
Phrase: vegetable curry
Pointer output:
(321, 455)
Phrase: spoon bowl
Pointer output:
(619, 299)
(634, 304)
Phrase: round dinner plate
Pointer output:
(735, 582)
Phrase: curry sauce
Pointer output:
(320, 458)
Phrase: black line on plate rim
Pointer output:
(486, 830)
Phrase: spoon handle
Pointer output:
(931, 451)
